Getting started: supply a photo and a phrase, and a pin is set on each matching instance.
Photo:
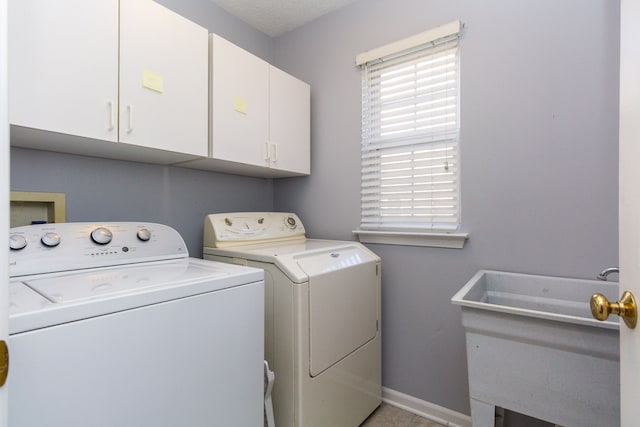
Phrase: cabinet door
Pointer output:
(63, 68)
(163, 79)
(289, 122)
(239, 104)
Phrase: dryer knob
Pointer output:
(144, 235)
(101, 235)
(17, 242)
(291, 222)
(50, 239)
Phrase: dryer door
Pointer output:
(343, 301)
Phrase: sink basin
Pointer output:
(533, 347)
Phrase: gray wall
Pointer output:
(109, 190)
(539, 112)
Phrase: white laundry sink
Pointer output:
(534, 348)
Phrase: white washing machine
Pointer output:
(112, 324)
(322, 315)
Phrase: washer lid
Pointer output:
(23, 299)
(97, 283)
(99, 291)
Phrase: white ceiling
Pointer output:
(276, 17)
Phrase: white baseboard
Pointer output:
(425, 409)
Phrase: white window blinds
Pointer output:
(410, 127)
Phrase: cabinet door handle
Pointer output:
(130, 110)
(266, 150)
(274, 157)
(112, 120)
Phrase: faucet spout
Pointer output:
(606, 272)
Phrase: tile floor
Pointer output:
(389, 416)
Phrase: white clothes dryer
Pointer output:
(112, 324)
(322, 315)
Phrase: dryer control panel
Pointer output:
(49, 248)
(242, 228)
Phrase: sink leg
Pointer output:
(482, 414)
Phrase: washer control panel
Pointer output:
(232, 229)
(49, 248)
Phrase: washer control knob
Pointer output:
(17, 242)
(291, 222)
(101, 235)
(144, 235)
(50, 239)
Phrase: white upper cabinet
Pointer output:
(132, 72)
(290, 116)
(260, 115)
(239, 104)
(63, 66)
(132, 80)
(163, 79)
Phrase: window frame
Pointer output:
(418, 232)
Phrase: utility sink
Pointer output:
(534, 348)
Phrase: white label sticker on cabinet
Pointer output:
(152, 81)
(240, 104)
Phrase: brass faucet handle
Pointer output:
(626, 308)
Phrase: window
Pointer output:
(410, 128)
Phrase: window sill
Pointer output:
(431, 239)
